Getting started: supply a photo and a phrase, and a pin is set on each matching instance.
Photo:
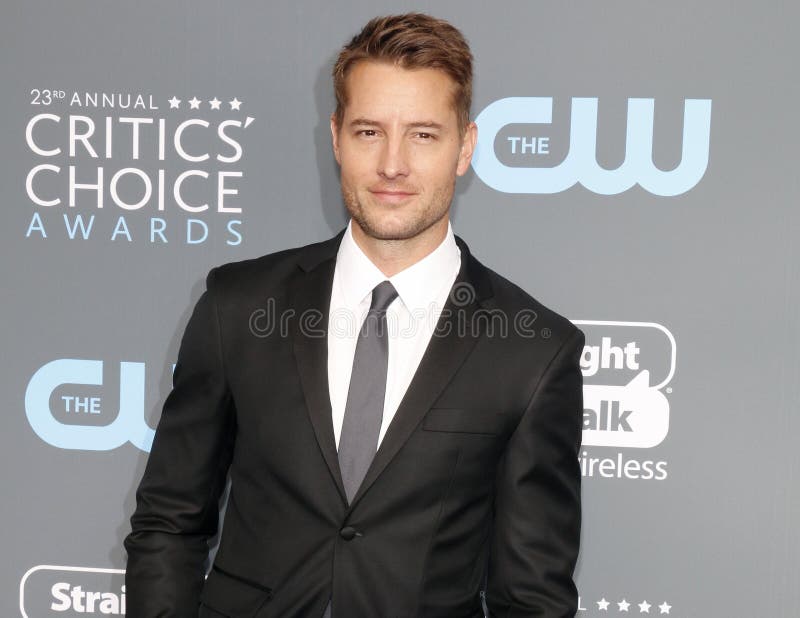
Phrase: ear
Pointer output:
(335, 138)
(467, 148)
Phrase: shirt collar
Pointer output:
(418, 286)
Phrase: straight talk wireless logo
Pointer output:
(626, 367)
(50, 590)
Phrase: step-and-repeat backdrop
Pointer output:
(635, 171)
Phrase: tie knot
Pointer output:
(382, 296)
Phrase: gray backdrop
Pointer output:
(680, 265)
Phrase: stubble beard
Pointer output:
(427, 215)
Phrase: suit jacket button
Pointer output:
(348, 533)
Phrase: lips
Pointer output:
(391, 196)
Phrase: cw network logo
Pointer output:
(580, 165)
(627, 367)
(78, 420)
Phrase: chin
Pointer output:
(393, 223)
(389, 231)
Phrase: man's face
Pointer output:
(400, 150)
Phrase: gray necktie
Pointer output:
(363, 412)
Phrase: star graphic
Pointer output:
(235, 103)
(664, 607)
(174, 102)
(602, 605)
(215, 103)
(644, 607)
(623, 605)
(194, 103)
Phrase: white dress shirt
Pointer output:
(411, 318)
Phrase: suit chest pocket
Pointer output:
(460, 420)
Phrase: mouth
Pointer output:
(391, 197)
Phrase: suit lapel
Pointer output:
(449, 347)
(311, 296)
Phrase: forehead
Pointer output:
(375, 87)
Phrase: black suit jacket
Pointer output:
(477, 475)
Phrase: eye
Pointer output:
(427, 137)
(367, 132)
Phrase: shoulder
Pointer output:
(269, 271)
(526, 316)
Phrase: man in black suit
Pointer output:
(400, 424)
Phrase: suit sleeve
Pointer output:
(178, 498)
(536, 530)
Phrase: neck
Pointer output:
(393, 256)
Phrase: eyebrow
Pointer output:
(421, 124)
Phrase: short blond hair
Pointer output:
(412, 41)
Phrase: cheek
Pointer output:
(442, 160)
(440, 171)
(355, 162)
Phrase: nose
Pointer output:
(393, 161)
